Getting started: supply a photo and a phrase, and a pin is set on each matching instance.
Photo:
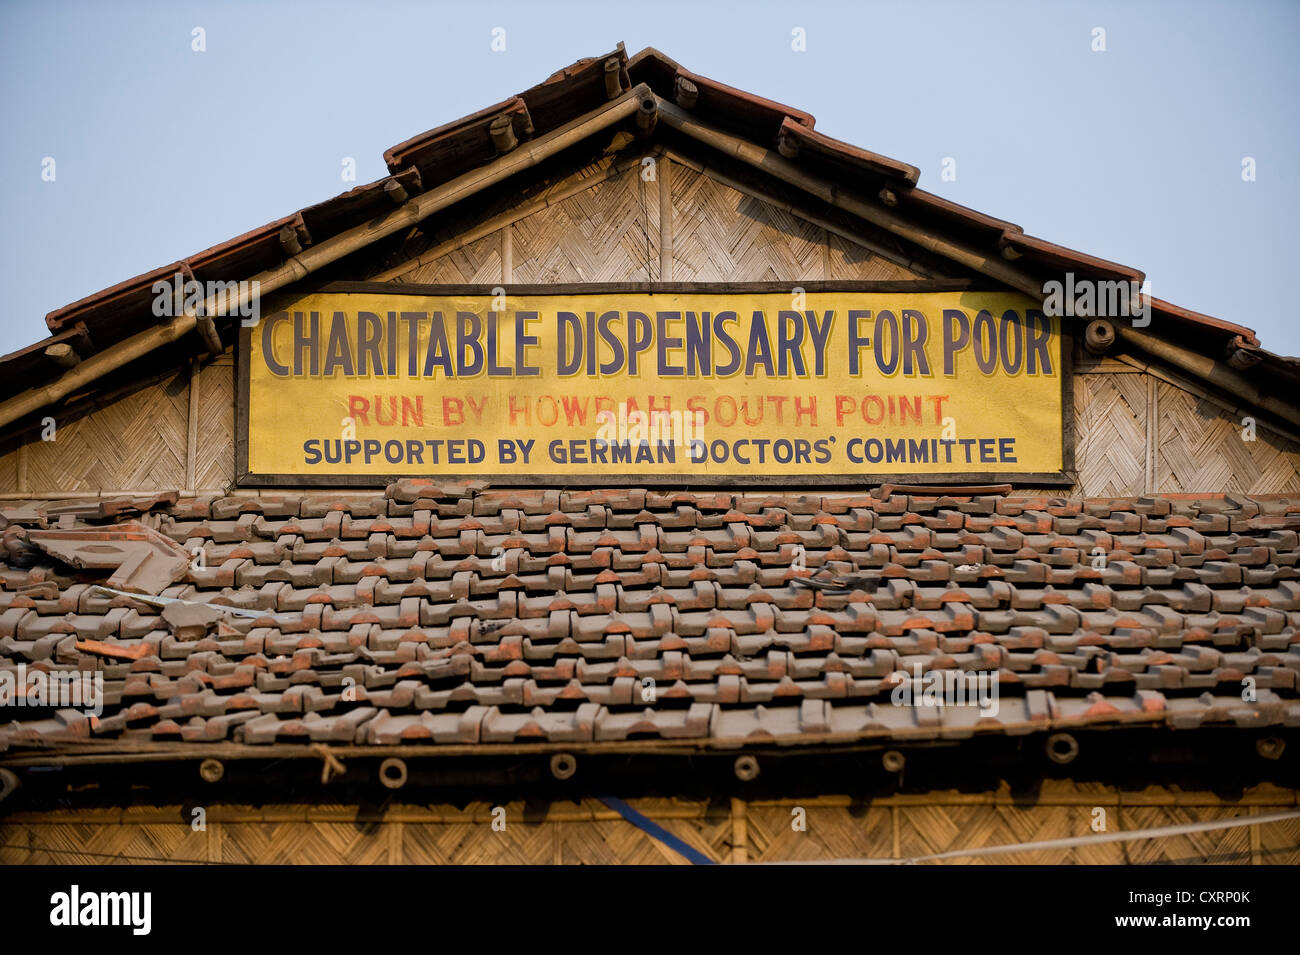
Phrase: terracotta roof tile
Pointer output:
(671, 616)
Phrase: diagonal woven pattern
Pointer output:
(465, 615)
(1110, 421)
(86, 453)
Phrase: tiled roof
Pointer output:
(488, 616)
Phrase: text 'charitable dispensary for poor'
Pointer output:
(390, 383)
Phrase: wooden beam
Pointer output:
(497, 222)
(833, 194)
(1216, 373)
(1171, 377)
(890, 255)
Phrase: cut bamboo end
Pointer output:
(289, 240)
(502, 132)
(686, 93)
(396, 191)
(1099, 336)
(613, 78)
(62, 355)
(647, 114)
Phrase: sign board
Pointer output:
(685, 385)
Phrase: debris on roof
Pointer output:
(142, 559)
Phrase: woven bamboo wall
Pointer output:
(138, 440)
(724, 830)
(1134, 434)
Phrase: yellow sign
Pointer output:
(681, 387)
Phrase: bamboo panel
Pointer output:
(721, 235)
(608, 233)
(75, 843)
(532, 837)
(935, 829)
(479, 262)
(214, 463)
(832, 833)
(587, 833)
(1279, 843)
(1220, 847)
(9, 466)
(1110, 435)
(1200, 449)
(304, 843)
(850, 261)
(137, 441)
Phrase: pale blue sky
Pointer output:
(1134, 154)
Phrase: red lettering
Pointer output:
(938, 406)
(477, 407)
(358, 409)
(575, 413)
(416, 409)
(810, 412)
(516, 410)
(453, 411)
(844, 406)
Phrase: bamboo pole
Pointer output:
(739, 832)
(21, 465)
(774, 164)
(849, 235)
(192, 431)
(487, 227)
(1153, 437)
(1183, 384)
(507, 255)
(331, 250)
(665, 220)
(1216, 372)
